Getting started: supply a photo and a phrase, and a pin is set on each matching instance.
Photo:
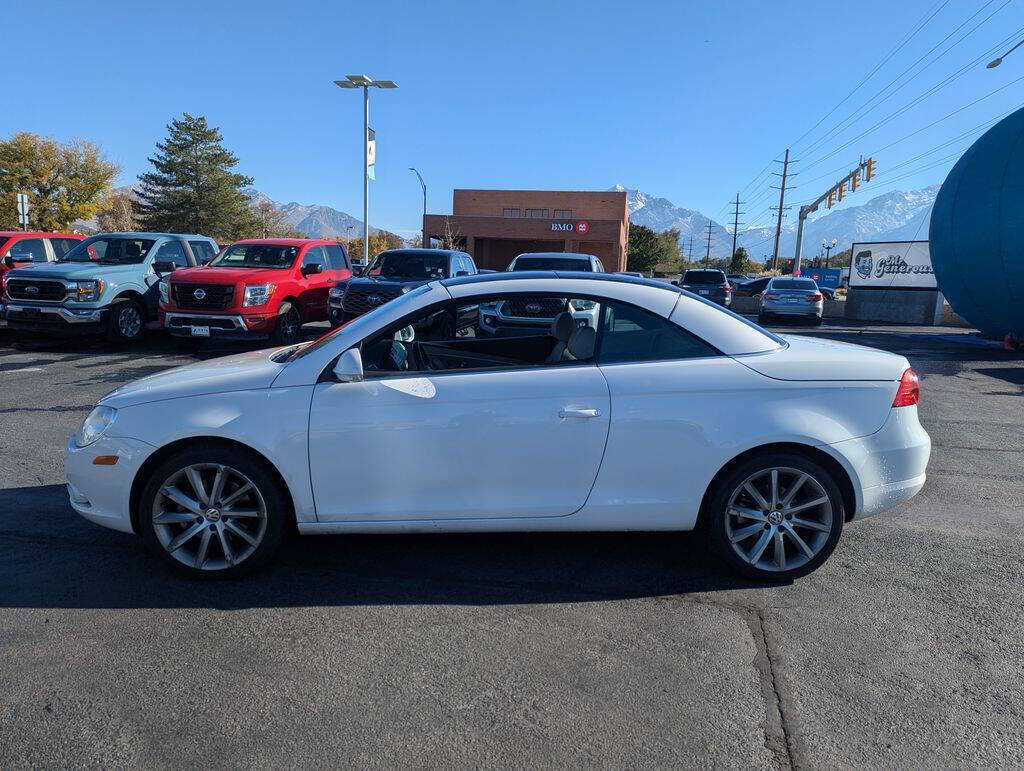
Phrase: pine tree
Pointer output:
(193, 188)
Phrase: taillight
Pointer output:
(728, 288)
(909, 392)
(771, 296)
(815, 298)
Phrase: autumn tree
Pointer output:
(193, 187)
(268, 221)
(116, 214)
(64, 181)
(380, 241)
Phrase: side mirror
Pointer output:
(312, 269)
(461, 273)
(675, 283)
(349, 368)
(164, 267)
(357, 270)
(8, 260)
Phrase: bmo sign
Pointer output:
(582, 227)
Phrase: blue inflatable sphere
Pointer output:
(977, 231)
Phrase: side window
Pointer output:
(315, 256)
(28, 250)
(62, 246)
(203, 251)
(630, 334)
(470, 265)
(172, 251)
(600, 266)
(502, 332)
(336, 258)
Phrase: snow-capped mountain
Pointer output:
(315, 220)
(895, 216)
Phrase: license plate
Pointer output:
(200, 331)
(793, 300)
(703, 291)
(31, 313)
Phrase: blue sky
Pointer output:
(686, 100)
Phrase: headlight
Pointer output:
(257, 294)
(338, 291)
(94, 426)
(87, 291)
(165, 290)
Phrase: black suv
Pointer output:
(392, 274)
(710, 284)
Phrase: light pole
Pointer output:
(828, 248)
(423, 184)
(997, 61)
(365, 82)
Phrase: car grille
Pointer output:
(533, 307)
(27, 289)
(202, 296)
(358, 300)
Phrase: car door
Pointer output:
(480, 442)
(315, 286)
(170, 250)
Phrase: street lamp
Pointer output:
(999, 60)
(828, 248)
(365, 82)
(423, 184)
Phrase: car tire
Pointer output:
(126, 322)
(746, 535)
(230, 544)
(817, 321)
(762, 318)
(287, 325)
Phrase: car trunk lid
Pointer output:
(806, 358)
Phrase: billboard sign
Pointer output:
(829, 277)
(892, 264)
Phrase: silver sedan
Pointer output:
(794, 297)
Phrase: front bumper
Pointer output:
(887, 467)
(101, 493)
(55, 319)
(220, 325)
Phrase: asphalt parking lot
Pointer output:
(905, 649)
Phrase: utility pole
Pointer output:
(707, 254)
(690, 258)
(423, 242)
(782, 206)
(735, 225)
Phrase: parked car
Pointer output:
(735, 279)
(395, 272)
(828, 292)
(255, 289)
(752, 288)
(19, 248)
(106, 283)
(642, 424)
(791, 297)
(574, 261)
(710, 284)
(633, 273)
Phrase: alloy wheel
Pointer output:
(129, 322)
(778, 519)
(209, 516)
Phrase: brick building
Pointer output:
(496, 225)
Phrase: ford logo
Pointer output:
(374, 299)
(32, 289)
(199, 294)
(533, 307)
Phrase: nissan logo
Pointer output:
(374, 299)
(533, 307)
(32, 289)
(199, 294)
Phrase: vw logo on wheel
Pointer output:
(32, 289)
(199, 294)
(533, 307)
(374, 299)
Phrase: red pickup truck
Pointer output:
(255, 289)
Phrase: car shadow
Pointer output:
(55, 559)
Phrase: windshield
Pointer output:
(419, 266)
(795, 283)
(255, 256)
(551, 263)
(704, 277)
(110, 250)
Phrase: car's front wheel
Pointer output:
(213, 512)
(776, 518)
(127, 321)
(287, 326)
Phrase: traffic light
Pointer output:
(854, 179)
(870, 172)
(831, 198)
(842, 187)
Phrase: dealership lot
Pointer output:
(520, 650)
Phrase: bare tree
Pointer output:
(116, 214)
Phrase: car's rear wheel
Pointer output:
(776, 518)
(213, 512)
(127, 321)
(287, 326)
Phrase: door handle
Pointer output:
(581, 412)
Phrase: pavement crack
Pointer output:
(778, 737)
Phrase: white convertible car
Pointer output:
(632, 425)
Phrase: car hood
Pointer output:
(807, 358)
(371, 281)
(241, 372)
(204, 275)
(75, 271)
